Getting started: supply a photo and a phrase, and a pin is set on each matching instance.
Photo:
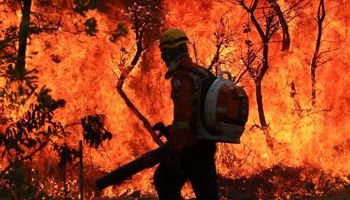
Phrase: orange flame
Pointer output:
(82, 70)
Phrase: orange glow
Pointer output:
(83, 70)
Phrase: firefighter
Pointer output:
(186, 158)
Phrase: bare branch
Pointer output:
(271, 18)
(224, 36)
(239, 79)
(328, 51)
(283, 22)
(193, 44)
(321, 14)
(141, 20)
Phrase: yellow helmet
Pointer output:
(172, 38)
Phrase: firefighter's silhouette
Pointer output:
(186, 157)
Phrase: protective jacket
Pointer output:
(182, 132)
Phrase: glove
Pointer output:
(163, 130)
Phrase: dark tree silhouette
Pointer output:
(267, 18)
(224, 36)
(141, 15)
(27, 122)
(321, 14)
(23, 34)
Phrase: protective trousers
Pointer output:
(195, 164)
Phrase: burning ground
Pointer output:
(102, 58)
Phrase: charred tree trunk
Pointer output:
(258, 85)
(270, 28)
(259, 102)
(313, 85)
(264, 36)
(321, 14)
(20, 66)
(23, 34)
(284, 25)
(258, 82)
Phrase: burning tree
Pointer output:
(267, 18)
(321, 14)
(27, 112)
(27, 124)
(316, 60)
(142, 15)
(76, 53)
(224, 38)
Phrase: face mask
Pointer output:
(172, 58)
(166, 56)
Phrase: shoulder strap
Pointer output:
(197, 75)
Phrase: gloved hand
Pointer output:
(163, 130)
